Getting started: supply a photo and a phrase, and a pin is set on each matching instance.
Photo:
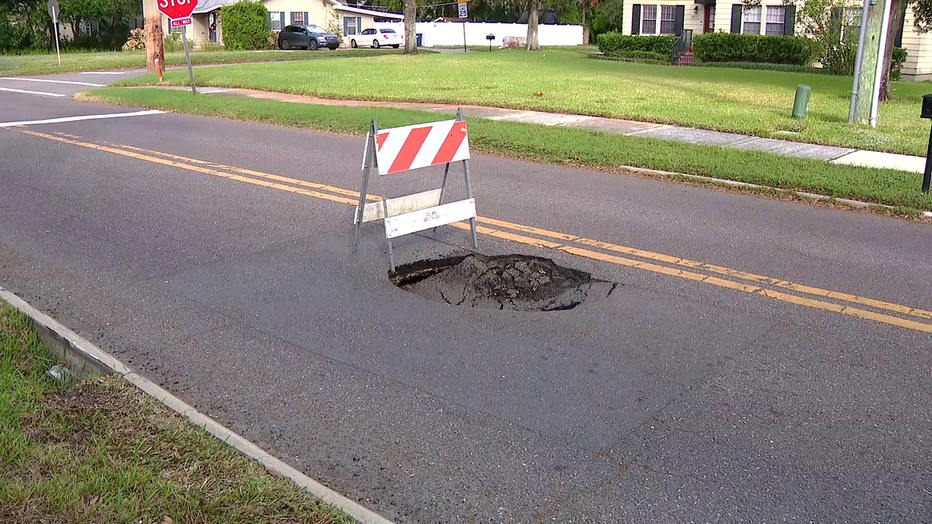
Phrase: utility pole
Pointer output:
(869, 62)
(150, 10)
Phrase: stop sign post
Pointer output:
(178, 9)
(53, 12)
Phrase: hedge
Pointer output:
(614, 42)
(733, 47)
(785, 68)
(245, 25)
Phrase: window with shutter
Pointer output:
(752, 19)
(275, 20)
(667, 19)
(776, 19)
(648, 20)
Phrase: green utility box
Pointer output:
(801, 104)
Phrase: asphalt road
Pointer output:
(691, 394)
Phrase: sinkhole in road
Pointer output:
(507, 282)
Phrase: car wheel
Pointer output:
(395, 46)
(283, 45)
(353, 44)
(375, 44)
(312, 45)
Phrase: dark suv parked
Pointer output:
(307, 36)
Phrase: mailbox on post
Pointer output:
(491, 37)
(927, 113)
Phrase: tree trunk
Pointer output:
(585, 28)
(533, 11)
(153, 35)
(410, 12)
(897, 13)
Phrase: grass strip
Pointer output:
(75, 62)
(563, 80)
(560, 145)
(102, 451)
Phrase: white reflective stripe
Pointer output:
(431, 145)
(48, 81)
(398, 206)
(29, 92)
(80, 118)
(463, 152)
(413, 222)
(392, 146)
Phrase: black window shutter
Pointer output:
(736, 11)
(292, 18)
(307, 19)
(270, 21)
(789, 21)
(678, 19)
(281, 17)
(636, 19)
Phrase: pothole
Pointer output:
(513, 282)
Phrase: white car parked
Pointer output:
(375, 37)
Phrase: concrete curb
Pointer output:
(87, 360)
(721, 181)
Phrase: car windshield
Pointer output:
(386, 31)
(315, 29)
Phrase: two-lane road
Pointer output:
(759, 361)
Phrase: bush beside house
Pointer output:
(733, 47)
(245, 25)
(618, 43)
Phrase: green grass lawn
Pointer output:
(47, 64)
(560, 145)
(102, 451)
(741, 101)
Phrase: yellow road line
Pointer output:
(171, 161)
(735, 273)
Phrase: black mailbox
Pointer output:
(491, 37)
(926, 106)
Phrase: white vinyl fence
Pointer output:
(451, 33)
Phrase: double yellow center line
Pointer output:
(843, 303)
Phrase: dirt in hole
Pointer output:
(513, 282)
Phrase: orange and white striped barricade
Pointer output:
(400, 149)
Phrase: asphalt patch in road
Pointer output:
(508, 282)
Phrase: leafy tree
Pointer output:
(245, 25)
(74, 11)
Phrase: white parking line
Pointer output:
(80, 118)
(42, 93)
(20, 79)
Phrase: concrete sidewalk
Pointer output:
(836, 155)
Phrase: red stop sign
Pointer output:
(177, 8)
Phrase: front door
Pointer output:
(212, 26)
(708, 23)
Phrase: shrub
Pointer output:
(896, 65)
(245, 25)
(173, 43)
(271, 41)
(733, 47)
(625, 59)
(613, 42)
(786, 68)
(136, 41)
(638, 55)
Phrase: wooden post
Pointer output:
(153, 35)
